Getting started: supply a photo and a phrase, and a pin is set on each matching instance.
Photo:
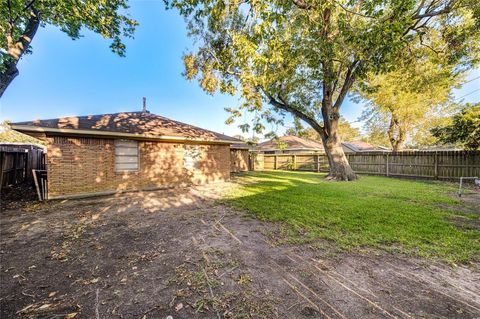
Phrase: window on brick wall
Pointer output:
(126, 155)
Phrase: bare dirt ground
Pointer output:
(470, 208)
(177, 253)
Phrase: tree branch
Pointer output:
(347, 84)
(283, 105)
(27, 6)
(353, 12)
(18, 47)
(447, 9)
(302, 4)
(226, 69)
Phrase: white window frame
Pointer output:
(125, 151)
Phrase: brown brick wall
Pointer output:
(239, 160)
(87, 165)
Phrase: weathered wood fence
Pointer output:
(421, 164)
(17, 162)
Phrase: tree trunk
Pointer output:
(16, 49)
(396, 134)
(340, 169)
(7, 76)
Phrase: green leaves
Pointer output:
(295, 51)
(412, 97)
(464, 130)
(105, 17)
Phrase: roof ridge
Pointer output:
(78, 116)
(167, 118)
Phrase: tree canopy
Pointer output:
(303, 57)
(464, 130)
(406, 101)
(377, 124)
(20, 19)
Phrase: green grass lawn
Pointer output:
(412, 217)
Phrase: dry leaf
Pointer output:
(179, 307)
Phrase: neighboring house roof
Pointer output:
(7, 135)
(242, 146)
(125, 124)
(438, 148)
(290, 142)
(360, 146)
(295, 143)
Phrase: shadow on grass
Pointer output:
(390, 214)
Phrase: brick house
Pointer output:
(108, 153)
(240, 157)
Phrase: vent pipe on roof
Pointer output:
(144, 110)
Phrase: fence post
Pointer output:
(275, 162)
(318, 163)
(15, 168)
(435, 161)
(467, 162)
(386, 166)
(294, 162)
(1, 169)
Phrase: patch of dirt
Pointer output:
(17, 196)
(468, 212)
(471, 201)
(177, 253)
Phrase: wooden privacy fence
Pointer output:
(17, 162)
(421, 164)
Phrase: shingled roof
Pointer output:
(361, 146)
(138, 124)
(291, 142)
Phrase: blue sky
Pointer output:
(64, 77)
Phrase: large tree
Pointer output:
(413, 95)
(378, 129)
(20, 19)
(303, 56)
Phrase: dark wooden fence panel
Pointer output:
(12, 168)
(421, 164)
(17, 162)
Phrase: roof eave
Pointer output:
(291, 149)
(93, 133)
